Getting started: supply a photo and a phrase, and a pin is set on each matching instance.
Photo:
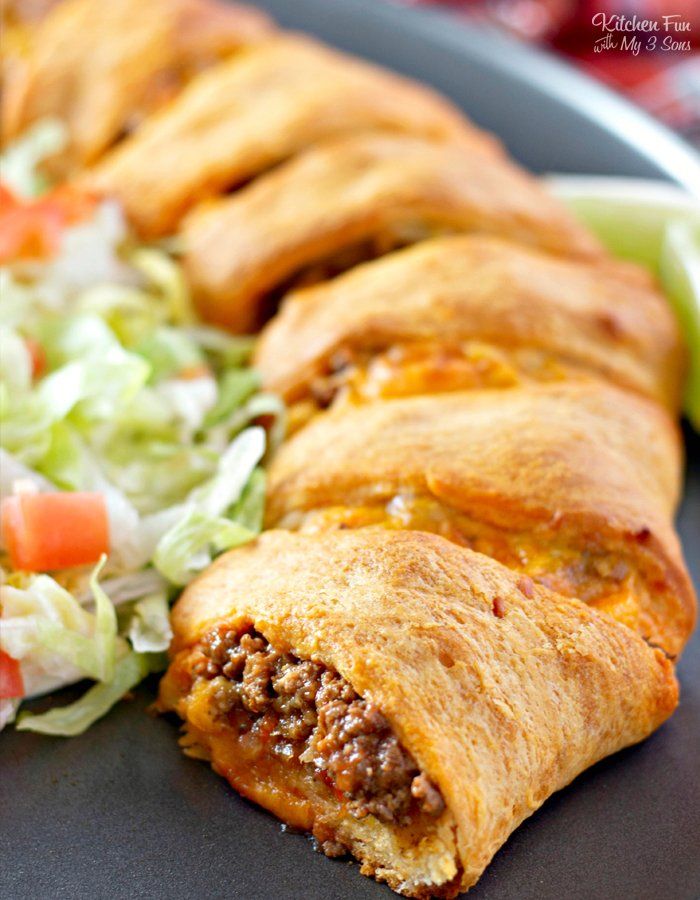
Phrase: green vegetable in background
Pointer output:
(657, 226)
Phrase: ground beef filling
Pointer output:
(310, 714)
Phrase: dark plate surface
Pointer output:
(120, 813)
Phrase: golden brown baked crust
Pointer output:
(579, 468)
(138, 56)
(500, 709)
(373, 192)
(244, 116)
(467, 287)
(19, 13)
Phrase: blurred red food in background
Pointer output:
(649, 49)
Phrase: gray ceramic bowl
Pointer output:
(120, 813)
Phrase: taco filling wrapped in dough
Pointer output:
(572, 484)
(255, 111)
(464, 312)
(401, 698)
(137, 58)
(354, 199)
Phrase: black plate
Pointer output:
(120, 813)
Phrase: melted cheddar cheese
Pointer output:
(424, 367)
(591, 574)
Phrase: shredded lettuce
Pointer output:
(105, 636)
(189, 546)
(125, 588)
(8, 711)
(150, 631)
(169, 351)
(13, 471)
(203, 529)
(225, 350)
(74, 719)
(168, 281)
(234, 469)
(15, 361)
(132, 398)
(60, 640)
(19, 163)
(237, 386)
(189, 400)
(248, 511)
(94, 389)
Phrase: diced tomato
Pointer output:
(58, 530)
(6, 196)
(32, 228)
(75, 205)
(38, 357)
(11, 683)
(26, 233)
